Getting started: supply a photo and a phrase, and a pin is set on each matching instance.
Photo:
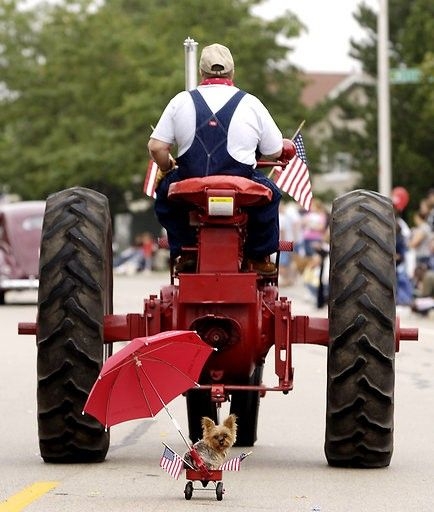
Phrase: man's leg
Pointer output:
(263, 224)
(174, 217)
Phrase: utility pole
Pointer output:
(384, 136)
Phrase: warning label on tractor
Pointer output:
(221, 206)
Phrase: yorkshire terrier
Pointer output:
(216, 442)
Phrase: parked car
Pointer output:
(20, 237)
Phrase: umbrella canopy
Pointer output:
(145, 375)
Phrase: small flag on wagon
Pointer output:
(150, 179)
(171, 462)
(234, 464)
(294, 179)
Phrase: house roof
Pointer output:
(322, 86)
(319, 86)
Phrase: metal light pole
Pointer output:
(384, 137)
(190, 51)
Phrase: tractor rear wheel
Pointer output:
(361, 353)
(75, 292)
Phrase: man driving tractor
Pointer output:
(219, 130)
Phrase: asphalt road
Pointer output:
(287, 471)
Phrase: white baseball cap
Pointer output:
(218, 57)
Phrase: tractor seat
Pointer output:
(247, 192)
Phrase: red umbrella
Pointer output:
(145, 375)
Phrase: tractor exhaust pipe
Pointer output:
(190, 50)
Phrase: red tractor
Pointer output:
(232, 308)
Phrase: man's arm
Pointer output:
(160, 153)
(287, 152)
(273, 156)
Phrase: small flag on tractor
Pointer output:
(150, 179)
(171, 462)
(294, 179)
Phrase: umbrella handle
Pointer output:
(198, 462)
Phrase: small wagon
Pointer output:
(204, 476)
(201, 473)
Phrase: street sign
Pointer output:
(405, 76)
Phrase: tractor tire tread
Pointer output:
(70, 330)
(360, 387)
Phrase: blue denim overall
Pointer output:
(208, 155)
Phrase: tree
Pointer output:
(411, 32)
(82, 85)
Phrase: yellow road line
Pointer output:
(19, 501)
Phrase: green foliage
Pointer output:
(82, 86)
(411, 34)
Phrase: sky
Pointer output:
(330, 25)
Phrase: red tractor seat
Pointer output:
(248, 192)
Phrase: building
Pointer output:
(321, 90)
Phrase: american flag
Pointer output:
(234, 464)
(151, 174)
(171, 462)
(295, 179)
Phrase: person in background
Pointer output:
(315, 223)
(316, 237)
(424, 302)
(430, 204)
(421, 235)
(404, 265)
(131, 259)
(219, 130)
(149, 247)
(290, 231)
(404, 285)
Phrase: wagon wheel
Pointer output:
(219, 490)
(245, 405)
(75, 292)
(199, 404)
(360, 370)
(188, 491)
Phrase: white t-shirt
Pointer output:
(251, 125)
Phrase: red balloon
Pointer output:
(400, 198)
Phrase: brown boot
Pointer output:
(263, 267)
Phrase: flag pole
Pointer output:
(298, 130)
(182, 458)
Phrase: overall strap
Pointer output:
(208, 154)
(219, 121)
(204, 115)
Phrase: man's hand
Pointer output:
(161, 174)
(288, 150)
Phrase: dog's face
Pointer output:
(220, 437)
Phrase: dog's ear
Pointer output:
(207, 423)
(230, 422)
